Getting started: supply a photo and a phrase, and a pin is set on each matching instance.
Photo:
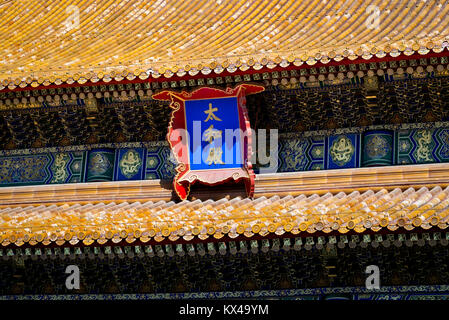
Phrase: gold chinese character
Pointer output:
(211, 134)
(214, 156)
(210, 113)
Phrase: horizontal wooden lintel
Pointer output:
(347, 180)
(291, 183)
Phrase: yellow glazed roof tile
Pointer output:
(187, 220)
(45, 42)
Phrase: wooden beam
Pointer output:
(348, 180)
(282, 184)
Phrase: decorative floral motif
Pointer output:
(318, 151)
(377, 147)
(23, 169)
(437, 292)
(416, 143)
(404, 146)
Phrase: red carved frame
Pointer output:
(185, 177)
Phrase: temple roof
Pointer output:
(43, 42)
(199, 220)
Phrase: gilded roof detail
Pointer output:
(127, 221)
(56, 42)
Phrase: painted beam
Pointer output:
(293, 183)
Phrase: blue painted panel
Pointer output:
(130, 164)
(343, 151)
(214, 116)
